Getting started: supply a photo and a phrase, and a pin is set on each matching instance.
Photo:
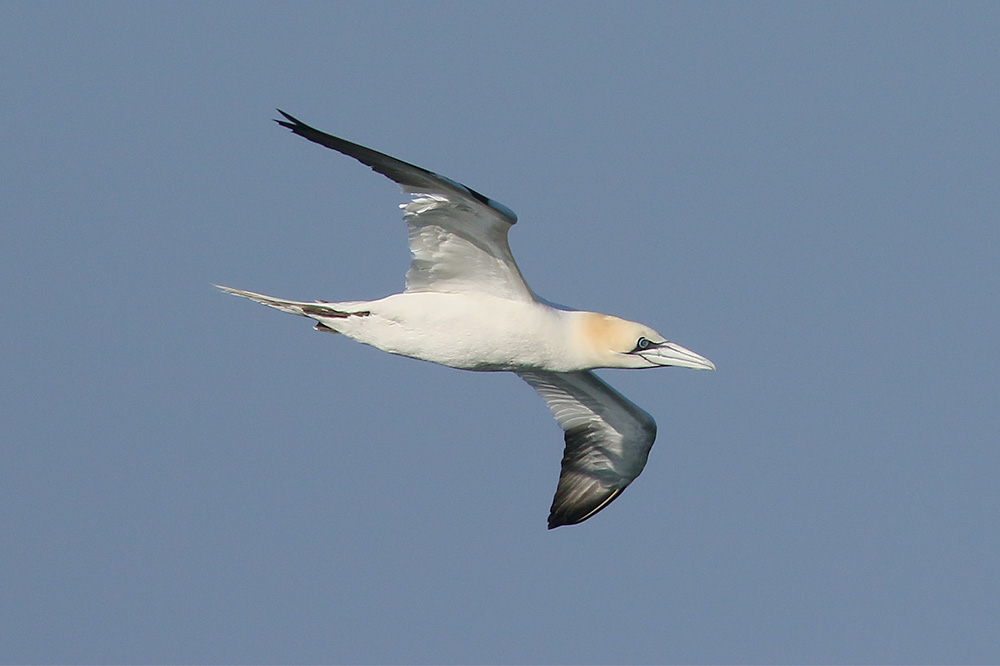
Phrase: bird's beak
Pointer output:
(671, 353)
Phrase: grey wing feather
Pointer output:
(458, 237)
(608, 439)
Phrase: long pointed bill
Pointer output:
(671, 353)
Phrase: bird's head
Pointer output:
(617, 343)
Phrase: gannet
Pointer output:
(466, 306)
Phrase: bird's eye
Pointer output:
(643, 343)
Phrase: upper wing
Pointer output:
(458, 237)
(608, 439)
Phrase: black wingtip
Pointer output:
(561, 518)
(406, 174)
(560, 521)
(291, 122)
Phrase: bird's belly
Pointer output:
(470, 332)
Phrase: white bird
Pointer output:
(467, 306)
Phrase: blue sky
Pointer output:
(805, 193)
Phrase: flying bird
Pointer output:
(467, 306)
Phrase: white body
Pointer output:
(465, 331)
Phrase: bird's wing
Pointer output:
(458, 237)
(608, 439)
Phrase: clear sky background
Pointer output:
(805, 193)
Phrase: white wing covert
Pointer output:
(458, 237)
(608, 439)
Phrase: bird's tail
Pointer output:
(314, 310)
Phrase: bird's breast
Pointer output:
(466, 331)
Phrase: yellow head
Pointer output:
(610, 342)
